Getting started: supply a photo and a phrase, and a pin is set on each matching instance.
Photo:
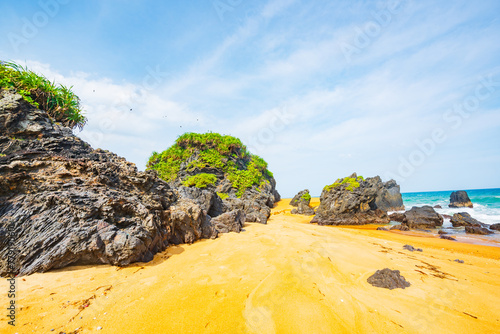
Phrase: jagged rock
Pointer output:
(423, 217)
(344, 204)
(447, 237)
(302, 196)
(460, 199)
(464, 219)
(389, 279)
(400, 227)
(66, 203)
(231, 221)
(397, 217)
(389, 197)
(303, 209)
(477, 230)
(206, 199)
(495, 227)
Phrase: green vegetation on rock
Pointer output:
(306, 197)
(351, 182)
(200, 180)
(211, 151)
(61, 104)
(223, 195)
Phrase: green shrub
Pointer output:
(351, 182)
(200, 180)
(60, 103)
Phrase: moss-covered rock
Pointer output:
(221, 164)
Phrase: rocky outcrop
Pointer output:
(389, 197)
(464, 219)
(495, 227)
(422, 217)
(397, 217)
(477, 230)
(231, 221)
(303, 209)
(62, 202)
(460, 199)
(301, 197)
(351, 201)
(388, 279)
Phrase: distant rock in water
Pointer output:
(355, 201)
(460, 199)
(464, 219)
(388, 279)
(301, 197)
(63, 203)
(423, 217)
(495, 227)
(209, 165)
(437, 206)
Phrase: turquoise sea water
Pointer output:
(486, 203)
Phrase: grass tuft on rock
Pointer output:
(58, 101)
(202, 180)
(351, 183)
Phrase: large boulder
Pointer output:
(422, 217)
(460, 199)
(218, 173)
(464, 219)
(62, 202)
(351, 201)
(301, 197)
(495, 227)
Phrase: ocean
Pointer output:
(486, 204)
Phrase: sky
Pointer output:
(408, 90)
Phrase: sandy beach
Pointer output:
(288, 276)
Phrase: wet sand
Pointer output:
(288, 276)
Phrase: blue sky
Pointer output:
(408, 90)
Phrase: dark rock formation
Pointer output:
(397, 217)
(64, 203)
(389, 197)
(459, 261)
(411, 248)
(495, 227)
(477, 230)
(447, 237)
(464, 219)
(388, 279)
(301, 197)
(355, 202)
(460, 199)
(400, 227)
(437, 206)
(442, 232)
(231, 221)
(380, 228)
(422, 217)
(303, 209)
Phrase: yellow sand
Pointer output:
(288, 276)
